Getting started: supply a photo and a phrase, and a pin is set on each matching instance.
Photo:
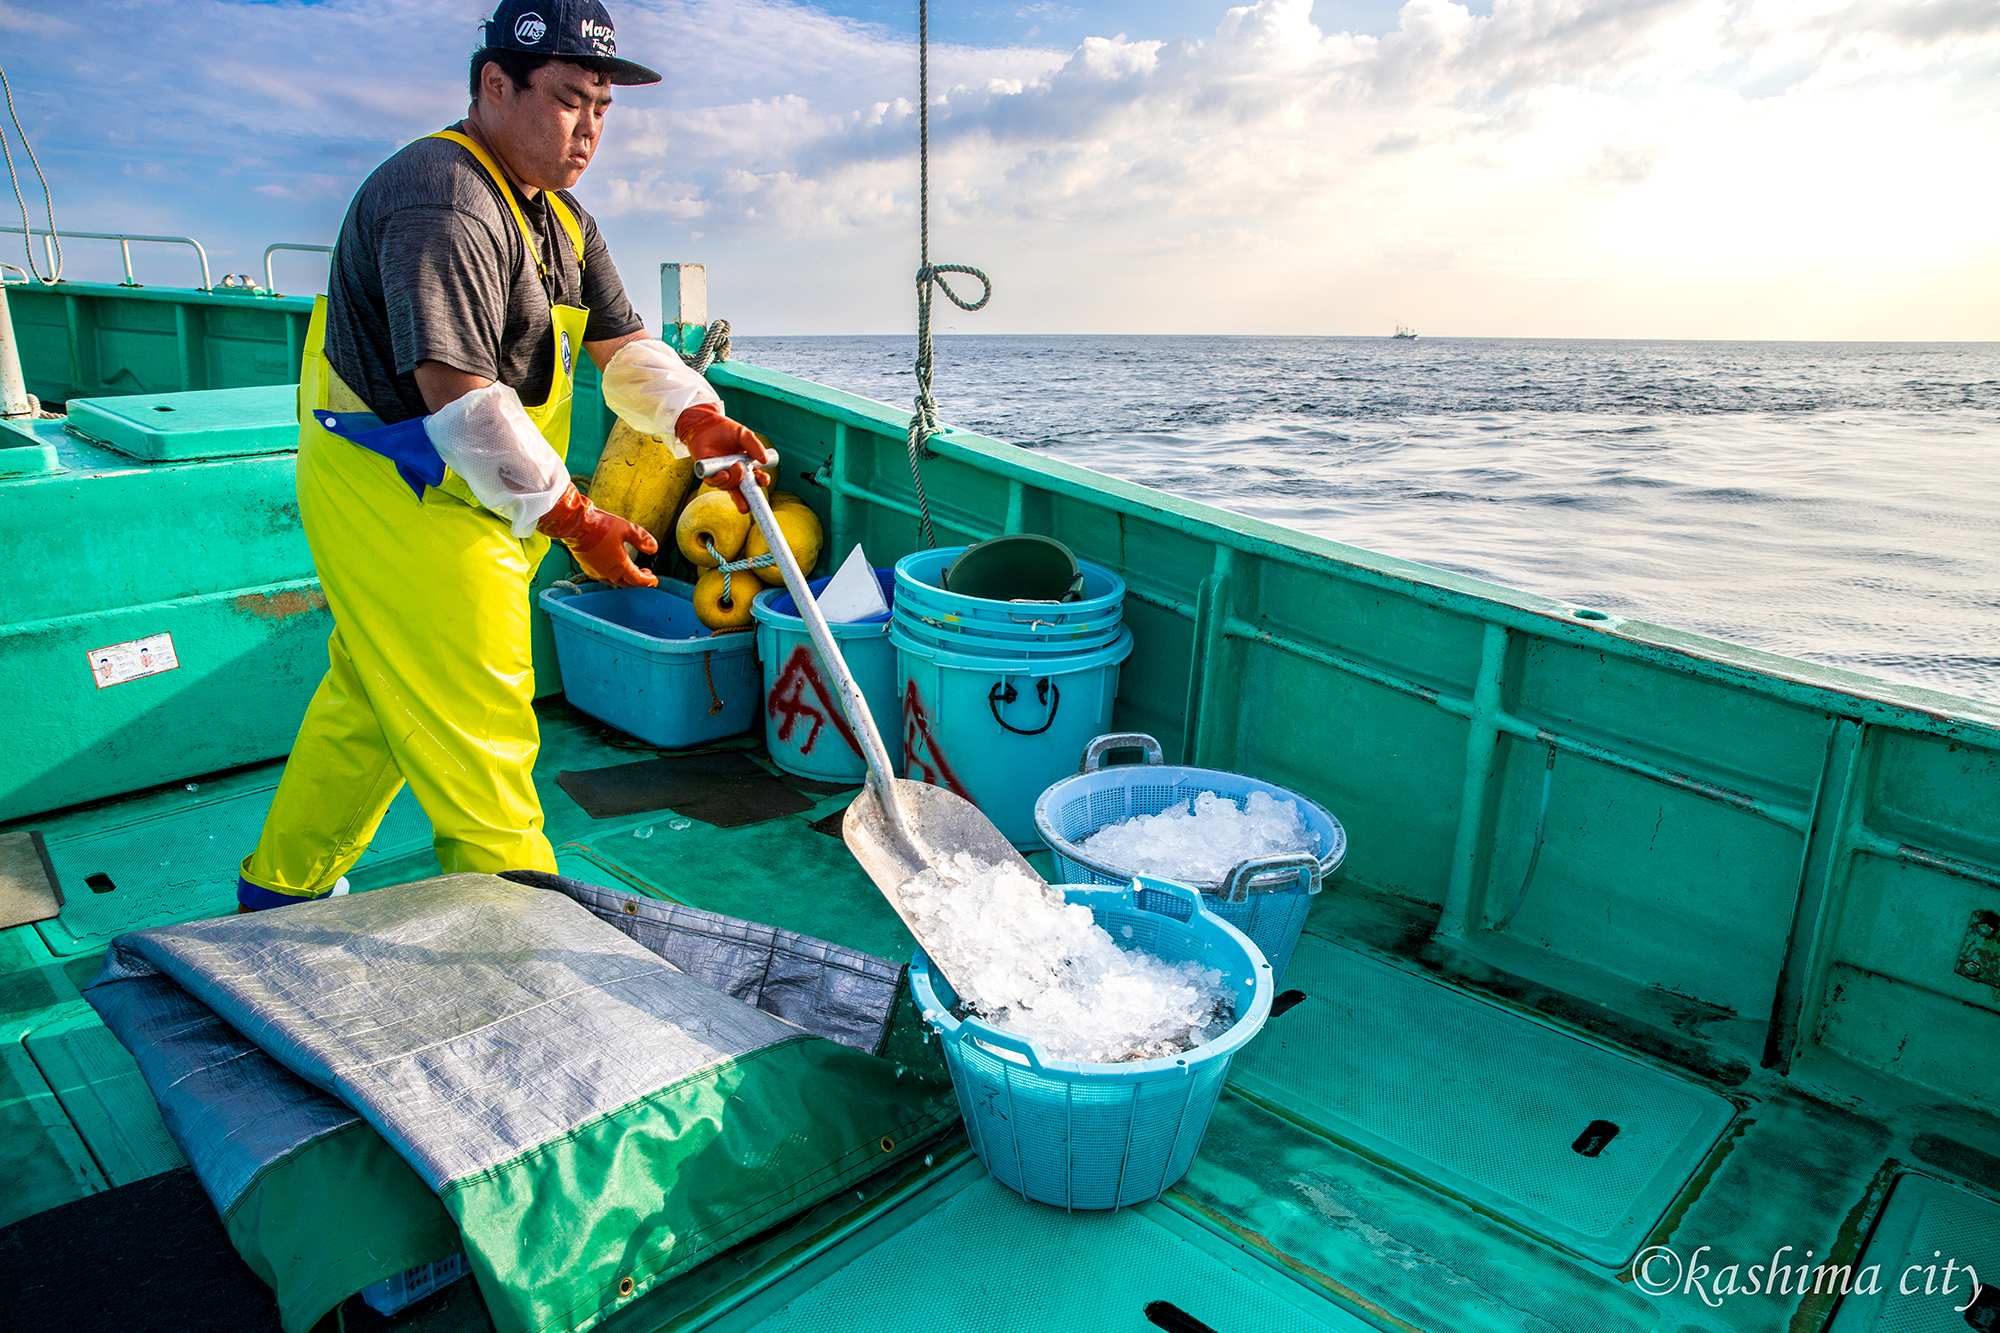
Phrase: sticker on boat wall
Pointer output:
(132, 659)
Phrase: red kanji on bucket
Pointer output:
(799, 694)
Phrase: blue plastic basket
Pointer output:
(638, 659)
(1268, 900)
(1100, 1136)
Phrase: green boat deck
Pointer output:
(1645, 940)
(1301, 1211)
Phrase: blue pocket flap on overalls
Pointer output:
(405, 444)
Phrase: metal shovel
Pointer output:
(897, 829)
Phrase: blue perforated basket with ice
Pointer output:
(1267, 899)
(1101, 1136)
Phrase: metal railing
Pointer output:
(124, 247)
(270, 284)
(16, 268)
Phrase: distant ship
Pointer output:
(1403, 331)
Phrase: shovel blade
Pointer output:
(939, 825)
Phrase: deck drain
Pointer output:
(1595, 1137)
(99, 883)
(1285, 1000)
(1167, 1315)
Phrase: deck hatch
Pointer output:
(189, 427)
(1484, 1102)
(173, 855)
(984, 1260)
(1925, 1226)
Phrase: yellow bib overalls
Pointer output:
(430, 679)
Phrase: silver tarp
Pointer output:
(468, 1018)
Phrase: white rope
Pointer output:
(48, 201)
(923, 424)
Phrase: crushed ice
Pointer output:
(1024, 960)
(1203, 838)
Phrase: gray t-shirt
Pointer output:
(430, 266)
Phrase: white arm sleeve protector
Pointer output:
(487, 439)
(649, 386)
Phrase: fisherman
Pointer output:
(434, 421)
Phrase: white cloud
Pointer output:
(13, 18)
(1563, 167)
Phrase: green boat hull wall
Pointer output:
(108, 548)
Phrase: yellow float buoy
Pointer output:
(802, 533)
(712, 611)
(711, 517)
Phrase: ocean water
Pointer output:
(1836, 502)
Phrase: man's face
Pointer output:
(547, 131)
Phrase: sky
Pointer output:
(1797, 169)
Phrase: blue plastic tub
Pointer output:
(998, 729)
(805, 728)
(1269, 905)
(1100, 1136)
(638, 659)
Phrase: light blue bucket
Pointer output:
(805, 728)
(999, 729)
(1101, 1136)
(978, 624)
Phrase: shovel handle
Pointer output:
(852, 701)
(708, 467)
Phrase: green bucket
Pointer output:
(1020, 567)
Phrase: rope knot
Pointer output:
(729, 567)
(934, 273)
(714, 346)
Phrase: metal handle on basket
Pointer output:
(1236, 885)
(988, 1035)
(1093, 753)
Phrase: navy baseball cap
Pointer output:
(578, 31)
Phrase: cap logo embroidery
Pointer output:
(599, 36)
(530, 28)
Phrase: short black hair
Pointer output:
(517, 65)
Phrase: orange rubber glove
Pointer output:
(709, 434)
(597, 540)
